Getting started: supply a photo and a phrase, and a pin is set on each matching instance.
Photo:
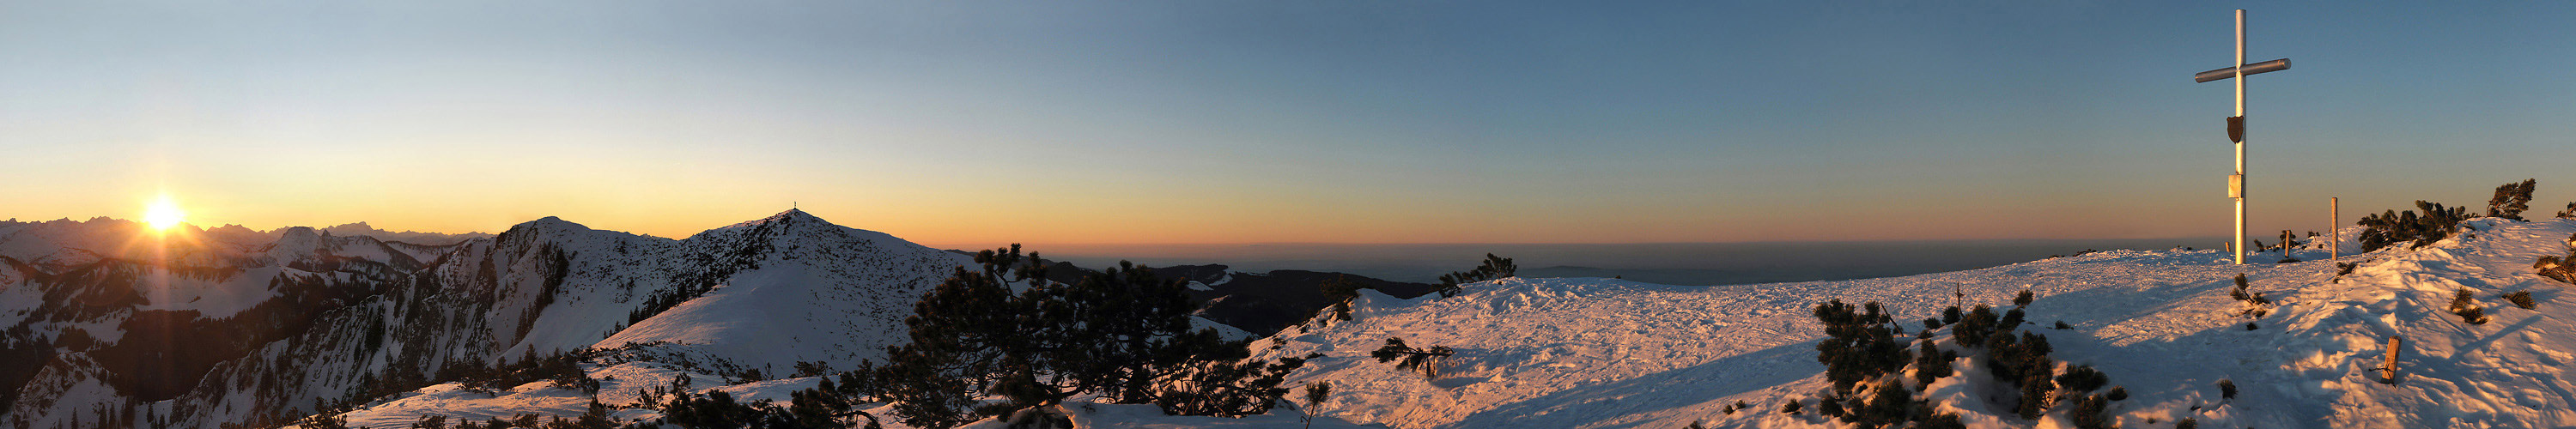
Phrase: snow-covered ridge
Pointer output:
(1611, 353)
(787, 289)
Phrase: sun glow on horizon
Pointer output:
(163, 214)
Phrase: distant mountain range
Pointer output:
(109, 324)
(422, 238)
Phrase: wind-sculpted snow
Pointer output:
(1612, 353)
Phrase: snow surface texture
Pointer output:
(1600, 353)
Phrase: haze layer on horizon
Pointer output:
(1241, 122)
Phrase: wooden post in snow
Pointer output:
(2334, 233)
(2388, 367)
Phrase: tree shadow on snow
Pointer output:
(1671, 389)
(2482, 343)
(2093, 308)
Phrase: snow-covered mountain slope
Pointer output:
(265, 331)
(802, 299)
(1593, 353)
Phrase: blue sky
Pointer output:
(1221, 122)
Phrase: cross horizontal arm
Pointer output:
(2224, 73)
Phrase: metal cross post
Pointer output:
(2236, 124)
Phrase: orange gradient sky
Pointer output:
(1194, 122)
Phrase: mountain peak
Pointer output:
(792, 224)
(783, 219)
(795, 214)
(548, 225)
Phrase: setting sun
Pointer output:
(163, 214)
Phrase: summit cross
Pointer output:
(2236, 124)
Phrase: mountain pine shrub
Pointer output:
(1790, 408)
(811, 368)
(2024, 363)
(1317, 393)
(1230, 388)
(2019, 360)
(2023, 299)
(1974, 327)
(2570, 212)
(2255, 304)
(2511, 199)
(1941, 421)
(2465, 304)
(2227, 389)
(1122, 334)
(2560, 268)
(2521, 298)
(2392, 227)
(1931, 362)
(593, 417)
(2118, 393)
(2082, 378)
(1494, 267)
(1341, 290)
(2240, 292)
(1858, 345)
(2092, 412)
(716, 409)
(1426, 361)
(323, 421)
(1889, 404)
